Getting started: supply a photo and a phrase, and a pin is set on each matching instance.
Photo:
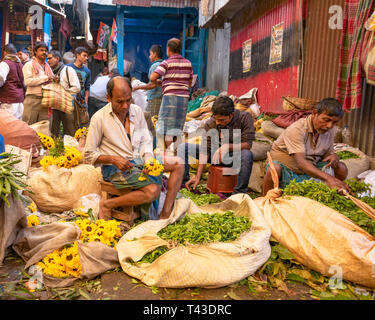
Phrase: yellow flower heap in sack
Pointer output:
(32, 220)
(65, 262)
(154, 168)
(81, 132)
(46, 141)
(61, 156)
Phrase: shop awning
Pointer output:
(47, 8)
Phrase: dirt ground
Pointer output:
(116, 285)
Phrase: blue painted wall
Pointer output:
(136, 50)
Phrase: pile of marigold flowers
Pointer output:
(65, 262)
(154, 168)
(46, 141)
(32, 220)
(81, 132)
(69, 159)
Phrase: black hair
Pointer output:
(223, 106)
(158, 49)
(174, 45)
(10, 48)
(40, 44)
(114, 72)
(79, 50)
(24, 51)
(331, 107)
(56, 54)
(111, 84)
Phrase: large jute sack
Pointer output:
(42, 127)
(355, 166)
(33, 244)
(59, 189)
(209, 265)
(260, 149)
(319, 237)
(257, 176)
(12, 220)
(272, 130)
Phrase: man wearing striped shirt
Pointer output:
(177, 74)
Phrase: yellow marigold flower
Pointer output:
(142, 178)
(32, 220)
(32, 207)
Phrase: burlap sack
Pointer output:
(355, 166)
(59, 189)
(42, 127)
(33, 244)
(257, 176)
(319, 237)
(260, 149)
(272, 130)
(12, 219)
(210, 265)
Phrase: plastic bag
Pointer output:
(139, 96)
(89, 201)
(70, 141)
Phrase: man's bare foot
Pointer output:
(104, 212)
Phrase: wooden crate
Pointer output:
(125, 213)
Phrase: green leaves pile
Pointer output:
(343, 155)
(10, 178)
(199, 228)
(319, 191)
(200, 199)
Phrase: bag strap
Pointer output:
(67, 76)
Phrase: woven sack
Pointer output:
(56, 97)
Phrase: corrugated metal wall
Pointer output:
(272, 80)
(159, 3)
(218, 58)
(321, 51)
(362, 121)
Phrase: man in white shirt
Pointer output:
(12, 90)
(98, 92)
(119, 140)
(68, 79)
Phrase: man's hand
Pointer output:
(220, 154)
(56, 79)
(333, 182)
(136, 88)
(121, 163)
(333, 160)
(192, 183)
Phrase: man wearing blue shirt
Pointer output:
(154, 94)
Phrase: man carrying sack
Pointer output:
(36, 73)
(68, 79)
(305, 149)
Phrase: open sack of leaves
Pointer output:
(61, 181)
(324, 231)
(67, 251)
(209, 246)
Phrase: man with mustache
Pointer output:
(36, 73)
(305, 148)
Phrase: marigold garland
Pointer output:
(154, 168)
(32, 220)
(46, 141)
(69, 160)
(65, 262)
(81, 132)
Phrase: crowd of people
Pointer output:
(119, 138)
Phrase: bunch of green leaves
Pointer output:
(11, 179)
(319, 191)
(200, 199)
(357, 186)
(153, 255)
(347, 155)
(59, 148)
(204, 228)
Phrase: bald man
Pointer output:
(119, 140)
(177, 75)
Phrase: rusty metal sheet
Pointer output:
(321, 51)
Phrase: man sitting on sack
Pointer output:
(227, 140)
(305, 149)
(119, 140)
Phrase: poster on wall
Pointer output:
(276, 43)
(246, 56)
